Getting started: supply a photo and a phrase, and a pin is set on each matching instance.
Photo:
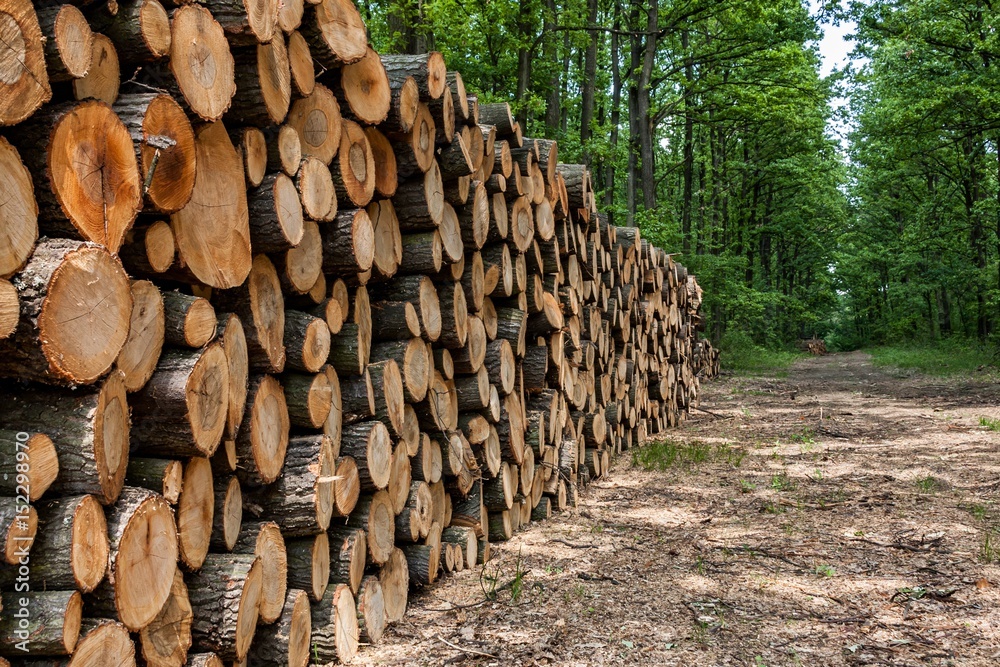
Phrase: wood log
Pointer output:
(25, 86)
(414, 148)
(290, 16)
(336, 33)
(201, 62)
(357, 398)
(286, 641)
(263, 540)
(500, 365)
(348, 242)
(276, 222)
(427, 464)
(140, 30)
(309, 398)
(300, 60)
(348, 551)
(262, 440)
(101, 82)
(225, 595)
(18, 529)
(51, 628)
(162, 476)
(388, 241)
(246, 21)
(218, 255)
(182, 410)
(309, 564)
(427, 69)
(354, 169)
(316, 118)
(374, 515)
(143, 554)
(141, 351)
(234, 344)
(195, 512)
(260, 306)
(301, 501)
(100, 638)
(316, 189)
(263, 84)
(405, 97)
(414, 520)
(68, 41)
(251, 144)
(20, 210)
(27, 459)
(190, 321)
(335, 626)
(395, 581)
(89, 429)
(387, 386)
(371, 610)
(307, 342)
(165, 641)
(362, 88)
(228, 519)
(424, 560)
(370, 445)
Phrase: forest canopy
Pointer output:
(708, 124)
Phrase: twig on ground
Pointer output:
(466, 650)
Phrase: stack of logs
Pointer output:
(289, 328)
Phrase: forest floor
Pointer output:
(841, 515)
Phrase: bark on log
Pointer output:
(286, 641)
(225, 595)
(263, 540)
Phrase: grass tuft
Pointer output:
(665, 454)
(943, 359)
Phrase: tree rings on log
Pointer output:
(201, 62)
(24, 79)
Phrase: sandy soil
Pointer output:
(846, 516)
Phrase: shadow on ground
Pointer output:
(846, 516)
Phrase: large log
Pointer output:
(286, 641)
(201, 62)
(18, 209)
(68, 333)
(25, 85)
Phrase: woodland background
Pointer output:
(710, 123)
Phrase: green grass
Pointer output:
(757, 360)
(989, 424)
(666, 454)
(943, 359)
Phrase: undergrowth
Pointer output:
(665, 454)
(743, 356)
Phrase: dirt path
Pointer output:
(840, 516)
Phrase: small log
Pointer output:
(234, 344)
(363, 89)
(228, 519)
(348, 242)
(424, 560)
(27, 459)
(225, 595)
(299, 59)
(260, 306)
(317, 119)
(163, 476)
(309, 398)
(428, 70)
(309, 564)
(371, 610)
(301, 501)
(190, 321)
(374, 515)
(262, 440)
(165, 641)
(354, 169)
(246, 21)
(182, 410)
(335, 626)
(386, 176)
(370, 445)
(141, 351)
(263, 540)
(89, 430)
(336, 33)
(52, 626)
(286, 641)
(388, 241)
(276, 222)
(24, 89)
(348, 551)
(140, 30)
(68, 41)
(316, 190)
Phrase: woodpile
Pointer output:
(289, 328)
(814, 346)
